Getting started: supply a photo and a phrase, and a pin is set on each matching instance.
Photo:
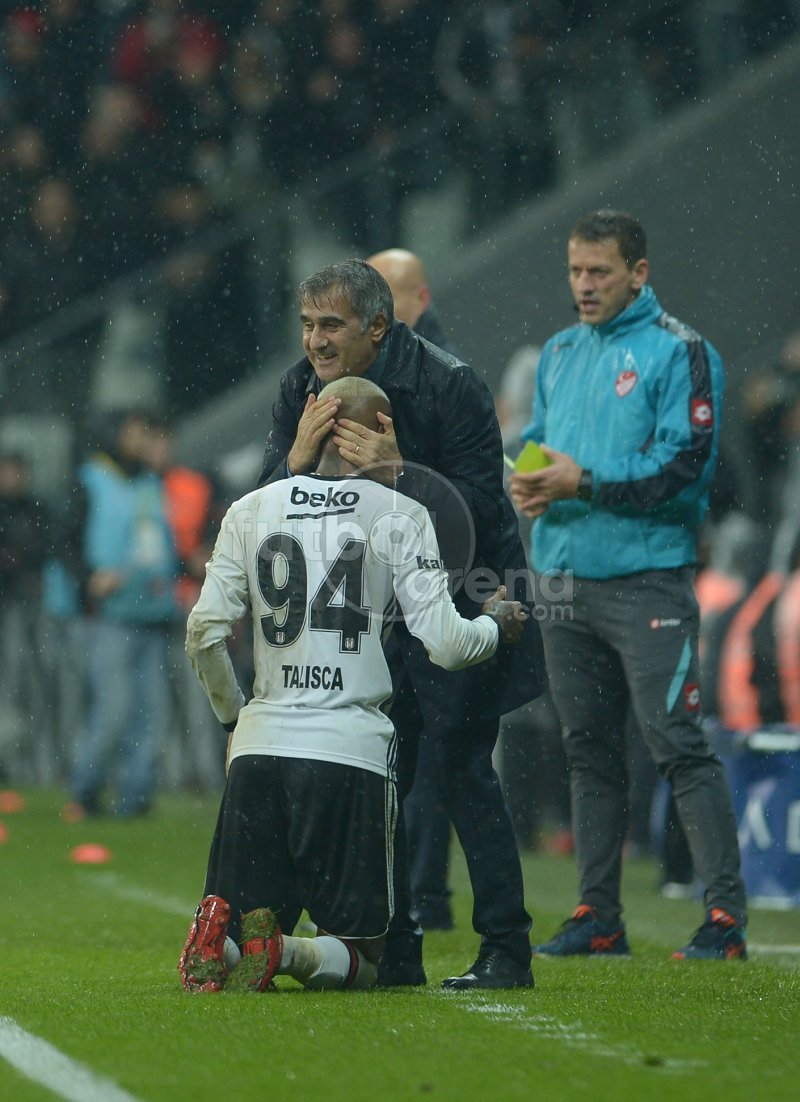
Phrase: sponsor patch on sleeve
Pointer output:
(702, 413)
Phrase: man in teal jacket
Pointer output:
(627, 410)
(128, 567)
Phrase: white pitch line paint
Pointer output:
(114, 885)
(574, 1036)
(41, 1062)
(773, 950)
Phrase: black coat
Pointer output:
(448, 435)
(429, 327)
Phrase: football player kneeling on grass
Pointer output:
(308, 814)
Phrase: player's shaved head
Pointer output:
(361, 399)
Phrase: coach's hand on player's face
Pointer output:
(315, 423)
(509, 615)
(375, 453)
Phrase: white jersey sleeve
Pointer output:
(223, 601)
(420, 585)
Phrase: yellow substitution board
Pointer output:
(531, 458)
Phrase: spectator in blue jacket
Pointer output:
(128, 567)
(627, 409)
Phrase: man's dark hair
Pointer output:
(106, 425)
(356, 281)
(627, 231)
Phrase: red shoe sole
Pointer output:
(201, 966)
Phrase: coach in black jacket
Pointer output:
(442, 447)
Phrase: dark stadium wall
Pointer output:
(716, 188)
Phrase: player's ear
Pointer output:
(640, 270)
(378, 328)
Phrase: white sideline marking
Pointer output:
(112, 883)
(776, 950)
(40, 1061)
(576, 1037)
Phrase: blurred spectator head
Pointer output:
(256, 70)
(159, 443)
(54, 207)
(772, 394)
(26, 149)
(64, 11)
(14, 475)
(124, 435)
(408, 282)
(183, 204)
(345, 45)
(23, 36)
(116, 112)
(197, 55)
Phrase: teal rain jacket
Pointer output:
(638, 401)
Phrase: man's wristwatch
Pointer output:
(585, 485)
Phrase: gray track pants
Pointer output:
(634, 639)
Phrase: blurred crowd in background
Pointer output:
(175, 135)
(178, 133)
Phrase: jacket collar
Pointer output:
(644, 308)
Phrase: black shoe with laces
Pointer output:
(492, 969)
(719, 938)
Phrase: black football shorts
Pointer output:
(299, 833)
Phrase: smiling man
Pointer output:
(442, 447)
(627, 408)
(334, 340)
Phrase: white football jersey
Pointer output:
(322, 563)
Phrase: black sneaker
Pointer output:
(492, 969)
(719, 938)
(585, 935)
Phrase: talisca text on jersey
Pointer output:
(312, 677)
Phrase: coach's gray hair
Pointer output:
(359, 283)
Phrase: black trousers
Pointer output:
(634, 640)
(453, 710)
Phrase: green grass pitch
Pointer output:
(89, 959)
